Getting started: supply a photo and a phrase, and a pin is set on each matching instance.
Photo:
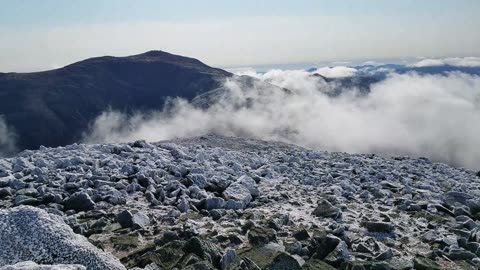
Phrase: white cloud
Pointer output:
(336, 72)
(434, 116)
(249, 71)
(428, 63)
(454, 61)
(372, 63)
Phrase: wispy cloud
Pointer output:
(7, 138)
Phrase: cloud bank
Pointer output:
(454, 61)
(336, 72)
(7, 138)
(419, 115)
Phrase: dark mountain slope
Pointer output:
(54, 107)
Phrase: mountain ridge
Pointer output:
(55, 107)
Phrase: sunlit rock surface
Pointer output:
(214, 202)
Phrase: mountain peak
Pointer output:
(154, 56)
(155, 53)
(161, 56)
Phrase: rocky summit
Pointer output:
(214, 202)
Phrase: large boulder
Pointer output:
(167, 256)
(250, 184)
(79, 201)
(137, 220)
(378, 227)
(421, 263)
(21, 164)
(268, 257)
(29, 265)
(314, 264)
(32, 234)
(239, 194)
(258, 236)
(213, 203)
(326, 210)
(227, 258)
(324, 245)
(198, 179)
(453, 197)
(337, 256)
(204, 250)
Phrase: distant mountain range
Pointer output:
(55, 107)
(367, 75)
(380, 71)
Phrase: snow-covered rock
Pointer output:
(328, 208)
(29, 265)
(31, 234)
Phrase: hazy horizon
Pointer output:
(292, 65)
(37, 36)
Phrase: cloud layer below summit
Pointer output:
(419, 115)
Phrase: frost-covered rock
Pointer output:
(198, 180)
(183, 205)
(20, 164)
(31, 234)
(127, 196)
(250, 184)
(29, 265)
(238, 194)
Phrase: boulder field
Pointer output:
(214, 202)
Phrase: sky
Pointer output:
(40, 35)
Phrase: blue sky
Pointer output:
(37, 35)
(49, 12)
